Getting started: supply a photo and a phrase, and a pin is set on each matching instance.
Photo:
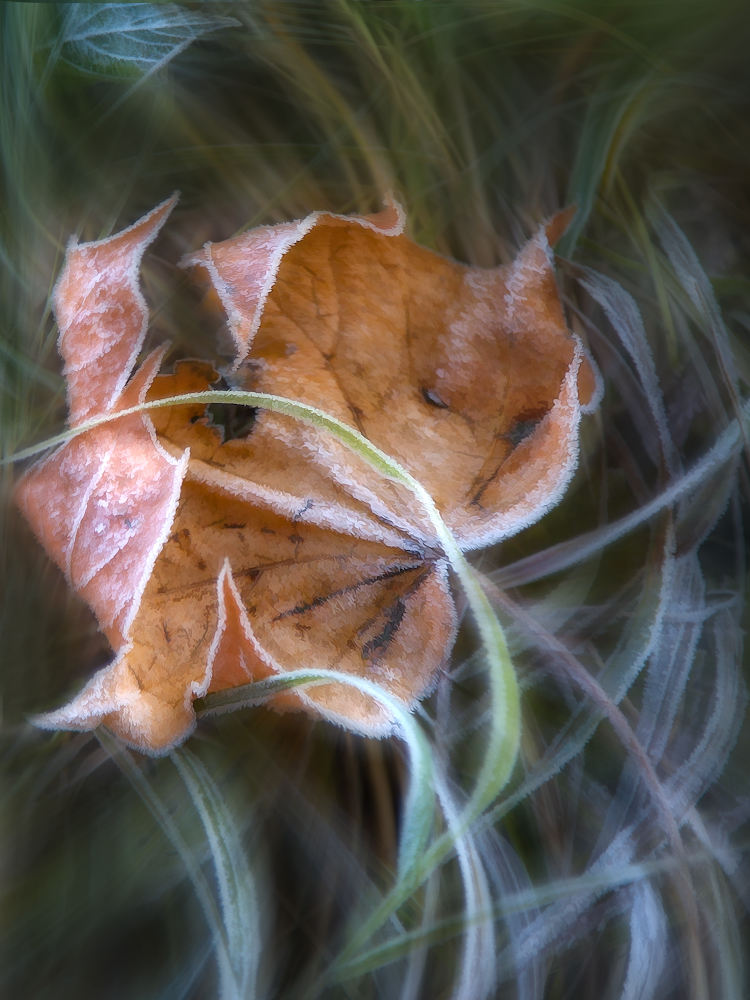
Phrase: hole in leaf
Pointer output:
(236, 421)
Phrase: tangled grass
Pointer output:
(259, 860)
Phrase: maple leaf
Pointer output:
(211, 563)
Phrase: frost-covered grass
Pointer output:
(261, 859)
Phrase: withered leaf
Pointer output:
(211, 563)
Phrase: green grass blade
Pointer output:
(237, 892)
(419, 807)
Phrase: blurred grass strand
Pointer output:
(235, 880)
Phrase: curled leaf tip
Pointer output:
(557, 225)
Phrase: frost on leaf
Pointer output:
(131, 39)
(212, 563)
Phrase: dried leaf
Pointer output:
(213, 563)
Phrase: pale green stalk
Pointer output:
(239, 902)
(420, 802)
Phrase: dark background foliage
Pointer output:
(483, 118)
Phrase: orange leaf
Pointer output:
(283, 549)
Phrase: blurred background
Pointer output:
(259, 862)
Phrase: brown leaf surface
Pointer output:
(282, 549)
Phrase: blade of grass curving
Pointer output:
(478, 970)
(417, 955)
(419, 805)
(726, 710)
(494, 773)
(348, 436)
(669, 669)
(593, 690)
(562, 919)
(576, 550)
(625, 317)
(610, 114)
(709, 755)
(662, 801)
(642, 635)
(671, 663)
(509, 878)
(558, 606)
(648, 945)
(700, 511)
(420, 801)
(728, 945)
(639, 640)
(158, 809)
(646, 625)
(183, 986)
(715, 841)
(695, 281)
(594, 882)
(644, 629)
(239, 903)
